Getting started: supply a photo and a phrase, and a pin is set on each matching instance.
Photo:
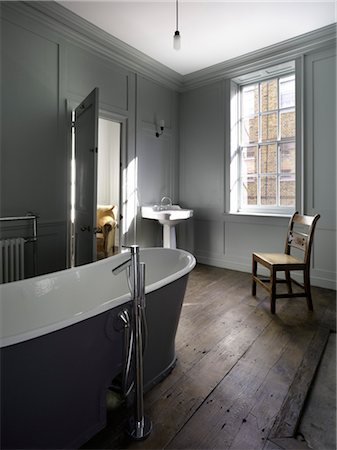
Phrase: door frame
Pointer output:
(85, 152)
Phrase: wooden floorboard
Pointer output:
(288, 418)
(287, 444)
(237, 372)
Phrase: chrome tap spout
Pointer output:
(166, 202)
(118, 269)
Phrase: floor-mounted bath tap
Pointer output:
(139, 425)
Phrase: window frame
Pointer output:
(233, 160)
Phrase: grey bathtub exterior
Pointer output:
(53, 387)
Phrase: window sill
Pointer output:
(286, 215)
(257, 218)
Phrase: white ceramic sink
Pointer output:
(168, 216)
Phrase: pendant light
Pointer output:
(176, 37)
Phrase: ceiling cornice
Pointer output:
(76, 29)
(283, 51)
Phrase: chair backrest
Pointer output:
(106, 214)
(300, 234)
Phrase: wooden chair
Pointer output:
(286, 262)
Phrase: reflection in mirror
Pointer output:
(108, 188)
(85, 154)
(15, 233)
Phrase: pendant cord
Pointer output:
(176, 15)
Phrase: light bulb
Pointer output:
(176, 40)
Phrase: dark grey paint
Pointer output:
(53, 387)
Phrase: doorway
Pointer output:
(108, 187)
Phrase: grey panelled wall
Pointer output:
(321, 147)
(228, 240)
(157, 156)
(85, 70)
(46, 69)
(33, 151)
(51, 59)
(202, 169)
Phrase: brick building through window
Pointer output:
(265, 144)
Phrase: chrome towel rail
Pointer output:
(33, 238)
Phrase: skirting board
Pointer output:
(319, 281)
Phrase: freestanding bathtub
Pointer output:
(62, 345)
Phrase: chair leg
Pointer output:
(273, 291)
(307, 288)
(254, 273)
(288, 279)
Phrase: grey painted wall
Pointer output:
(51, 60)
(157, 156)
(228, 240)
(45, 73)
(33, 150)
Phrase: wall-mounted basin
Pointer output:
(168, 216)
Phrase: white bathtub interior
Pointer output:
(36, 306)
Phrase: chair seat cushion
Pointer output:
(277, 258)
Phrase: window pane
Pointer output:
(249, 191)
(250, 130)
(269, 95)
(287, 92)
(250, 103)
(269, 127)
(268, 158)
(287, 124)
(287, 190)
(287, 158)
(249, 160)
(268, 190)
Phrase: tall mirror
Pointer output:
(29, 246)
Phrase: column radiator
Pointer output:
(12, 259)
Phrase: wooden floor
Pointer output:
(242, 374)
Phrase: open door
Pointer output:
(86, 144)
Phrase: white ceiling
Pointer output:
(211, 31)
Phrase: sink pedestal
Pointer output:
(169, 236)
(168, 216)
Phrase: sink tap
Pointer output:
(166, 202)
